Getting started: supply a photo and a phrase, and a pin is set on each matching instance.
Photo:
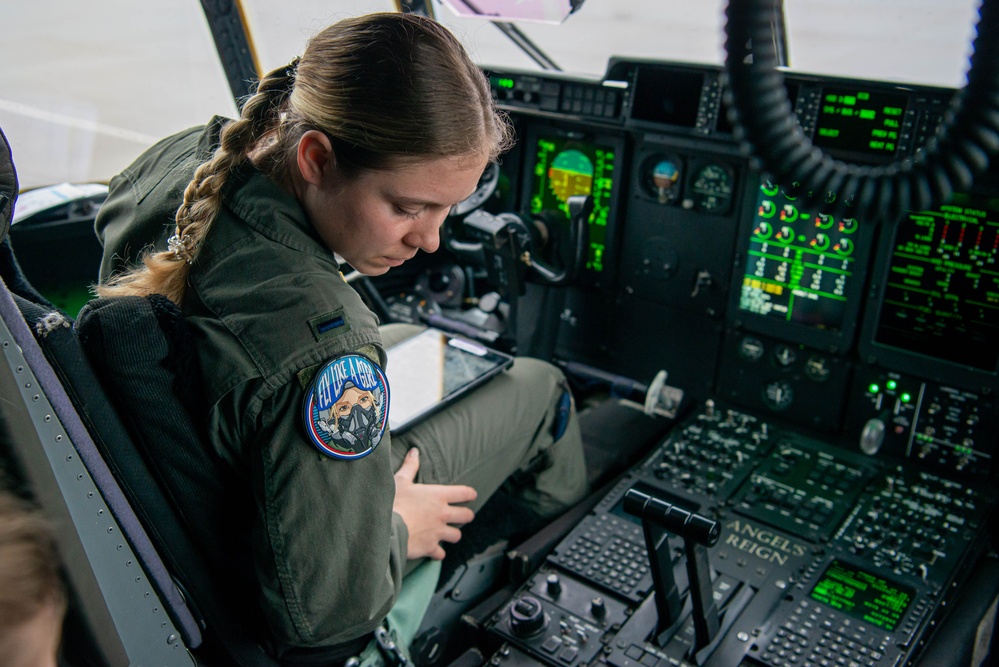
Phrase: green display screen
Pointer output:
(799, 262)
(858, 121)
(567, 166)
(502, 82)
(863, 595)
(942, 292)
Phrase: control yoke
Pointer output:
(506, 246)
(698, 532)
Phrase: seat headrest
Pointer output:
(8, 186)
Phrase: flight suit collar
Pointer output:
(261, 203)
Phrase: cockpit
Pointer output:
(760, 240)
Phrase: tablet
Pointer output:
(433, 369)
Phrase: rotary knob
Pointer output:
(553, 584)
(598, 608)
(527, 617)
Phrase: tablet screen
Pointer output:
(432, 369)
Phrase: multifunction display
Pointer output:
(798, 262)
(863, 595)
(565, 166)
(942, 293)
(859, 121)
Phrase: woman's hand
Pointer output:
(429, 510)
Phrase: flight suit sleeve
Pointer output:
(329, 551)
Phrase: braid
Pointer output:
(166, 272)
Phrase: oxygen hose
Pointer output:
(765, 122)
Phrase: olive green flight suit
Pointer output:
(329, 552)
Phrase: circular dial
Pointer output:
(817, 368)
(778, 395)
(751, 349)
(662, 178)
(711, 190)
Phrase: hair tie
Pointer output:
(182, 246)
(291, 71)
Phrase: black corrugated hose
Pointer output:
(761, 113)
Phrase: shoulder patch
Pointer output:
(330, 324)
(346, 407)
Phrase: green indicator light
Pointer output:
(891, 384)
(906, 397)
(874, 388)
(504, 83)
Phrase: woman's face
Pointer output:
(380, 219)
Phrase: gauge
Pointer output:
(485, 188)
(820, 242)
(824, 221)
(784, 235)
(661, 176)
(784, 356)
(817, 368)
(844, 246)
(767, 209)
(792, 191)
(789, 213)
(763, 230)
(751, 349)
(712, 187)
(778, 395)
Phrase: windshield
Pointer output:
(88, 85)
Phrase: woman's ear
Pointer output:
(315, 157)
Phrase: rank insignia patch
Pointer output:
(346, 408)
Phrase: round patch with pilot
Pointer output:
(346, 408)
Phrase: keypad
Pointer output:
(608, 551)
(813, 636)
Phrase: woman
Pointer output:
(356, 151)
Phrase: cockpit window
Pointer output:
(84, 87)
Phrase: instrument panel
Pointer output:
(841, 377)
(701, 265)
(823, 556)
